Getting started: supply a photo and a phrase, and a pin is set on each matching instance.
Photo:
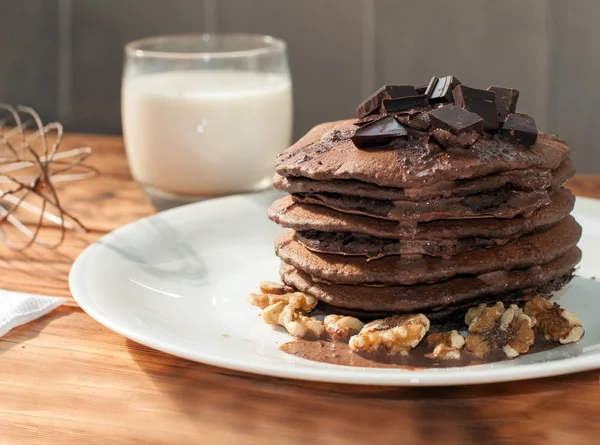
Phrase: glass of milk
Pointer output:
(205, 115)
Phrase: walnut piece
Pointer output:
(293, 320)
(297, 299)
(299, 325)
(475, 311)
(497, 328)
(271, 313)
(447, 345)
(271, 287)
(395, 335)
(553, 322)
(341, 328)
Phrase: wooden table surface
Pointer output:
(66, 379)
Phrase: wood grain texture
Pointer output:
(66, 379)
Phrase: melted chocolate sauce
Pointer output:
(421, 357)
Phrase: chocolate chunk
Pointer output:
(520, 128)
(446, 139)
(481, 102)
(456, 119)
(416, 121)
(367, 120)
(440, 89)
(410, 113)
(380, 132)
(385, 92)
(431, 86)
(421, 88)
(506, 101)
(389, 106)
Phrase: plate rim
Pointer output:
(352, 375)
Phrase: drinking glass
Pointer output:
(205, 115)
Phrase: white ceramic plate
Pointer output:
(178, 282)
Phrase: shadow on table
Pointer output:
(251, 407)
(21, 334)
(43, 263)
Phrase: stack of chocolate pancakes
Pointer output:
(438, 198)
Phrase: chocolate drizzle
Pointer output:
(337, 353)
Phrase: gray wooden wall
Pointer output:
(64, 57)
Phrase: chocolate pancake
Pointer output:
(358, 244)
(529, 250)
(437, 296)
(501, 203)
(304, 217)
(327, 153)
(453, 316)
(526, 179)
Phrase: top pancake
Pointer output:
(527, 179)
(326, 153)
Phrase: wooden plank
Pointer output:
(585, 185)
(103, 203)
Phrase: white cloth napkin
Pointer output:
(17, 308)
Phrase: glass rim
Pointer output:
(272, 45)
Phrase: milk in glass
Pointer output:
(206, 133)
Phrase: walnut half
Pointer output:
(275, 292)
(293, 320)
(341, 328)
(496, 328)
(272, 287)
(553, 322)
(447, 345)
(395, 335)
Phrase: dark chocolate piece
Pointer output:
(431, 86)
(421, 88)
(380, 132)
(520, 128)
(456, 119)
(446, 139)
(440, 90)
(416, 121)
(385, 92)
(481, 102)
(367, 120)
(506, 101)
(389, 106)
(410, 113)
